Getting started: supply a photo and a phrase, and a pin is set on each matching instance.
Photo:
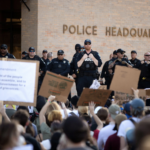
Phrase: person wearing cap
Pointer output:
(134, 61)
(50, 56)
(87, 63)
(44, 64)
(82, 48)
(24, 54)
(144, 81)
(60, 65)
(136, 107)
(127, 111)
(106, 72)
(4, 52)
(120, 60)
(106, 131)
(73, 68)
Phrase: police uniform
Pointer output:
(120, 62)
(105, 73)
(88, 70)
(61, 67)
(7, 55)
(73, 67)
(144, 81)
(136, 62)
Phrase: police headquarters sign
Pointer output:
(109, 31)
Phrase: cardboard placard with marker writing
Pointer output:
(98, 96)
(57, 85)
(124, 79)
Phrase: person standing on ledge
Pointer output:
(87, 63)
(4, 52)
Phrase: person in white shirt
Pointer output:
(105, 132)
(137, 107)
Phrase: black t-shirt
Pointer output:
(7, 56)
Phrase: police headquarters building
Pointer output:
(56, 24)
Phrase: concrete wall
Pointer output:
(42, 27)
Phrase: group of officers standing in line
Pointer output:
(84, 65)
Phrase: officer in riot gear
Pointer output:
(73, 68)
(87, 63)
(4, 52)
(144, 81)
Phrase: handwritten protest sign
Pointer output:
(56, 85)
(18, 81)
(124, 97)
(124, 79)
(96, 95)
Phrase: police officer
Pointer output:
(82, 48)
(144, 81)
(31, 56)
(4, 52)
(88, 63)
(24, 54)
(59, 65)
(73, 68)
(106, 73)
(120, 60)
(134, 61)
(43, 65)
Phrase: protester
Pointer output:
(113, 141)
(127, 111)
(105, 132)
(137, 107)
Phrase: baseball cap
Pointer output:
(115, 52)
(74, 100)
(3, 46)
(82, 47)
(44, 51)
(60, 52)
(133, 51)
(119, 118)
(120, 51)
(114, 110)
(137, 104)
(31, 49)
(24, 53)
(87, 41)
(127, 107)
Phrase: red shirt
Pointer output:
(113, 143)
(96, 132)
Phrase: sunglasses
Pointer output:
(31, 50)
(87, 43)
(147, 55)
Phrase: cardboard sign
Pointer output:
(147, 92)
(99, 97)
(124, 79)
(19, 81)
(56, 85)
(103, 87)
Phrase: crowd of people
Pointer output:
(56, 125)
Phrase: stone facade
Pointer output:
(42, 27)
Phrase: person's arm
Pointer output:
(80, 62)
(64, 109)
(97, 61)
(67, 69)
(111, 65)
(122, 143)
(97, 120)
(4, 115)
(105, 67)
(44, 109)
(136, 93)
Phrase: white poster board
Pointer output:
(18, 81)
